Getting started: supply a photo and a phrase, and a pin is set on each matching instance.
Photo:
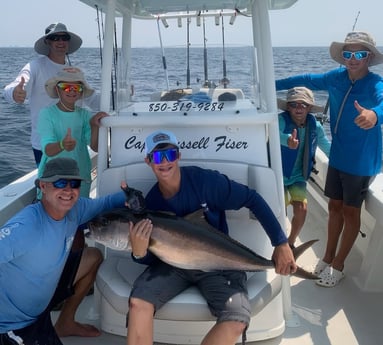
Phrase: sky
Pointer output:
(306, 23)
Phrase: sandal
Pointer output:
(330, 277)
(319, 267)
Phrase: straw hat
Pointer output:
(41, 46)
(357, 37)
(69, 75)
(302, 94)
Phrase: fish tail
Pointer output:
(300, 272)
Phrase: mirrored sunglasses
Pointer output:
(56, 38)
(63, 182)
(157, 157)
(298, 105)
(358, 55)
(68, 87)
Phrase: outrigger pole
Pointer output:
(163, 54)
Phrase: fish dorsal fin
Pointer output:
(198, 218)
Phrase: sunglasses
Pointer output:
(67, 87)
(63, 182)
(359, 55)
(298, 105)
(57, 38)
(157, 157)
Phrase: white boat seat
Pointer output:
(117, 274)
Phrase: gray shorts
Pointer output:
(225, 291)
(352, 189)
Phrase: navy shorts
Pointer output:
(352, 189)
(225, 291)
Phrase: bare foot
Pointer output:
(77, 329)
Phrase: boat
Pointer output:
(225, 128)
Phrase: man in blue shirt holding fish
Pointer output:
(183, 191)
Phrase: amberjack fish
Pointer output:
(189, 243)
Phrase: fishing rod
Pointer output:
(224, 80)
(163, 54)
(113, 76)
(99, 32)
(206, 83)
(188, 52)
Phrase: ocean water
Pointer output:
(16, 157)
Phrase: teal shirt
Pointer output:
(323, 143)
(52, 127)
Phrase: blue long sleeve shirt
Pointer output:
(33, 251)
(353, 150)
(215, 192)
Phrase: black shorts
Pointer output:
(225, 291)
(352, 189)
(40, 332)
(65, 287)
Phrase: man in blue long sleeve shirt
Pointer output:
(356, 116)
(183, 191)
(34, 247)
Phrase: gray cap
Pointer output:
(58, 168)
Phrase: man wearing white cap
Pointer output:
(182, 191)
(356, 116)
(54, 47)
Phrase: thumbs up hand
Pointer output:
(366, 118)
(19, 94)
(292, 141)
(68, 143)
